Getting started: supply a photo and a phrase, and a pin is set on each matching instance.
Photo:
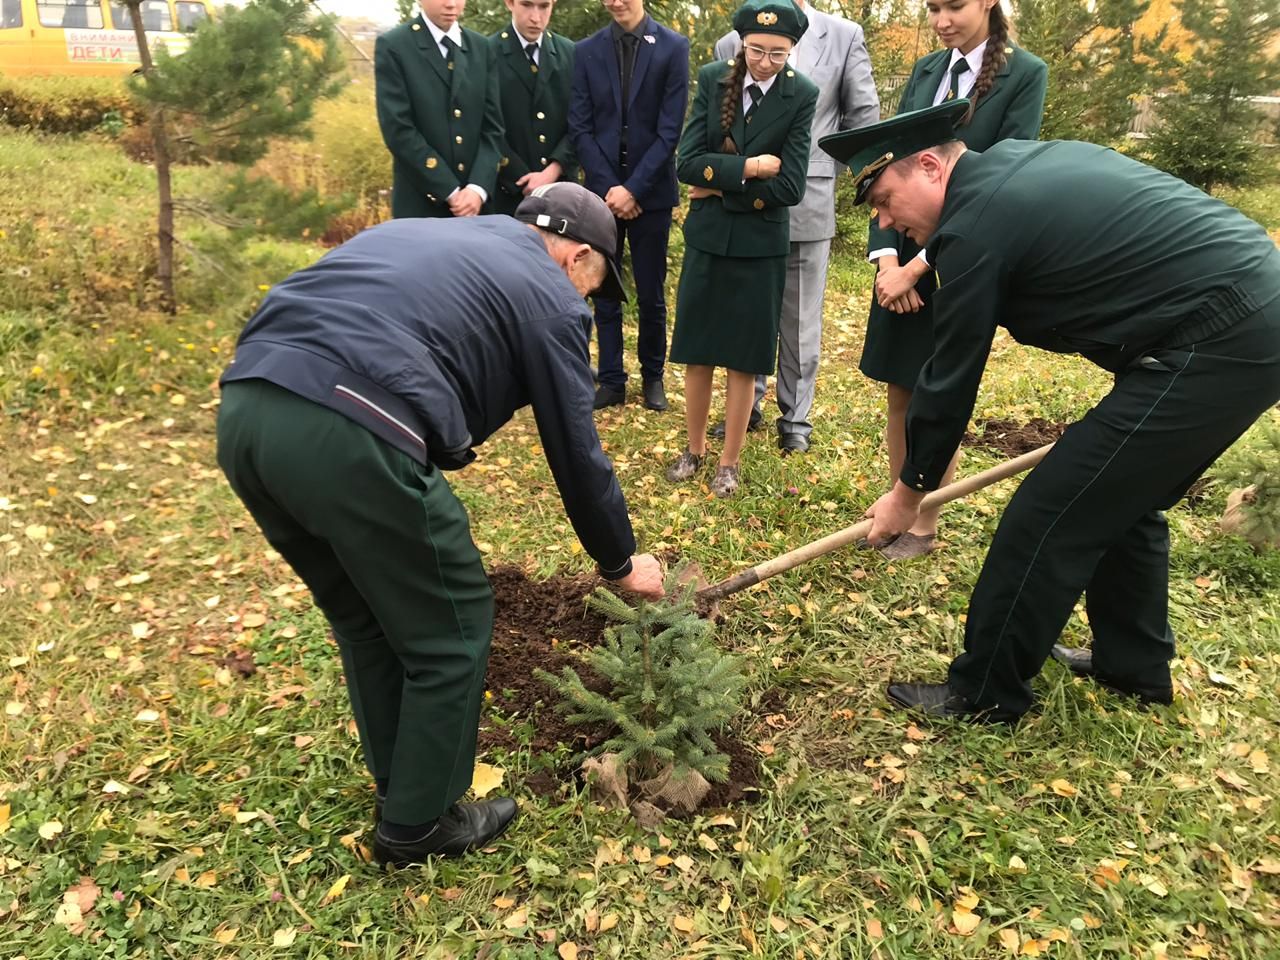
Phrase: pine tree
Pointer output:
(1254, 465)
(249, 75)
(1098, 64)
(672, 687)
(1207, 130)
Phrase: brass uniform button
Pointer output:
(505, 35)
(708, 174)
(432, 162)
(544, 160)
(417, 26)
(450, 64)
(542, 138)
(457, 112)
(758, 204)
(457, 139)
(541, 115)
(533, 68)
(504, 162)
(729, 62)
(791, 73)
(462, 167)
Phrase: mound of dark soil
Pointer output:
(1012, 439)
(546, 624)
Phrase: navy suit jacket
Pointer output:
(655, 114)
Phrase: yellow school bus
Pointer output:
(89, 38)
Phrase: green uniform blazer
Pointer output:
(1011, 110)
(443, 127)
(1073, 248)
(751, 219)
(535, 112)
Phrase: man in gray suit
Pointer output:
(832, 54)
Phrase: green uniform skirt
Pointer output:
(728, 310)
(898, 345)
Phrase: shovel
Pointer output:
(708, 596)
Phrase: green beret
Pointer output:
(771, 16)
(868, 150)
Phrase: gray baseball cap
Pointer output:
(575, 212)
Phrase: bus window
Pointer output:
(71, 14)
(155, 16)
(10, 14)
(190, 15)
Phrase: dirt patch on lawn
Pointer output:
(546, 624)
(1012, 439)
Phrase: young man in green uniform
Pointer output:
(1075, 249)
(438, 108)
(357, 383)
(535, 75)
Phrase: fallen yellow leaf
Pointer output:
(4, 817)
(485, 779)
(284, 937)
(1009, 937)
(968, 902)
(965, 922)
(336, 888)
(875, 929)
(608, 922)
(1017, 864)
(682, 923)
(1034, 948)
(207, 879)
(225, 935)
(779, 925)
(568, 950)
(49, 829)
(518, 919)
(1063, 788)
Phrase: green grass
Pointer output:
(233, 805)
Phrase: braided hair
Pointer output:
(993, 58)
(732, 100)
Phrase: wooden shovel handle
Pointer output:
(851, 534)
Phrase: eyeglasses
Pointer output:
(776, 57)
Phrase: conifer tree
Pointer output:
(1208, 127)
(249, 75)
(672, 687)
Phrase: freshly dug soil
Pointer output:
(547, 624)
(1012, 439)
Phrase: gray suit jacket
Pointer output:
(833, 55)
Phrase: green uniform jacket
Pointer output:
(443, 127)
(1075, 249)
(751, 219)
(535, 112)
(1011, 110)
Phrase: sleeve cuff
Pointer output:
(875, 255)
(617, 574)
(913, 477)
(484, 194)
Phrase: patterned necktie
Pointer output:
(754, 92)
(531, 51)
(958, 69)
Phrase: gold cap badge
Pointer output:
(766, 18)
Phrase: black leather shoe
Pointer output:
(790, 443)
(655, 397)
(462, 828)
(379, 798)
(939, 700)
(1080, 662)
(607, 396)
(755, 423)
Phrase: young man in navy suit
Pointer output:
(630, 88)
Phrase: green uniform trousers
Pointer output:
(1088, 521)
(386, 549)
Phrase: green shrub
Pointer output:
(67, 104)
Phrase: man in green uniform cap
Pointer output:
(535, 74)
(438, 108)
(1072, 248)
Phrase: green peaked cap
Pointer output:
(868, 150)
(771, 16)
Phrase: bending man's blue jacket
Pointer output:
(431, 333)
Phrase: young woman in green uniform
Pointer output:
(1006, 87)
(744, 154)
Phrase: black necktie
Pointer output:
(530, 51)
(628, 65)
(958, 69)
(754, 92)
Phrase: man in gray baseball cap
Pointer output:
(359, 381)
